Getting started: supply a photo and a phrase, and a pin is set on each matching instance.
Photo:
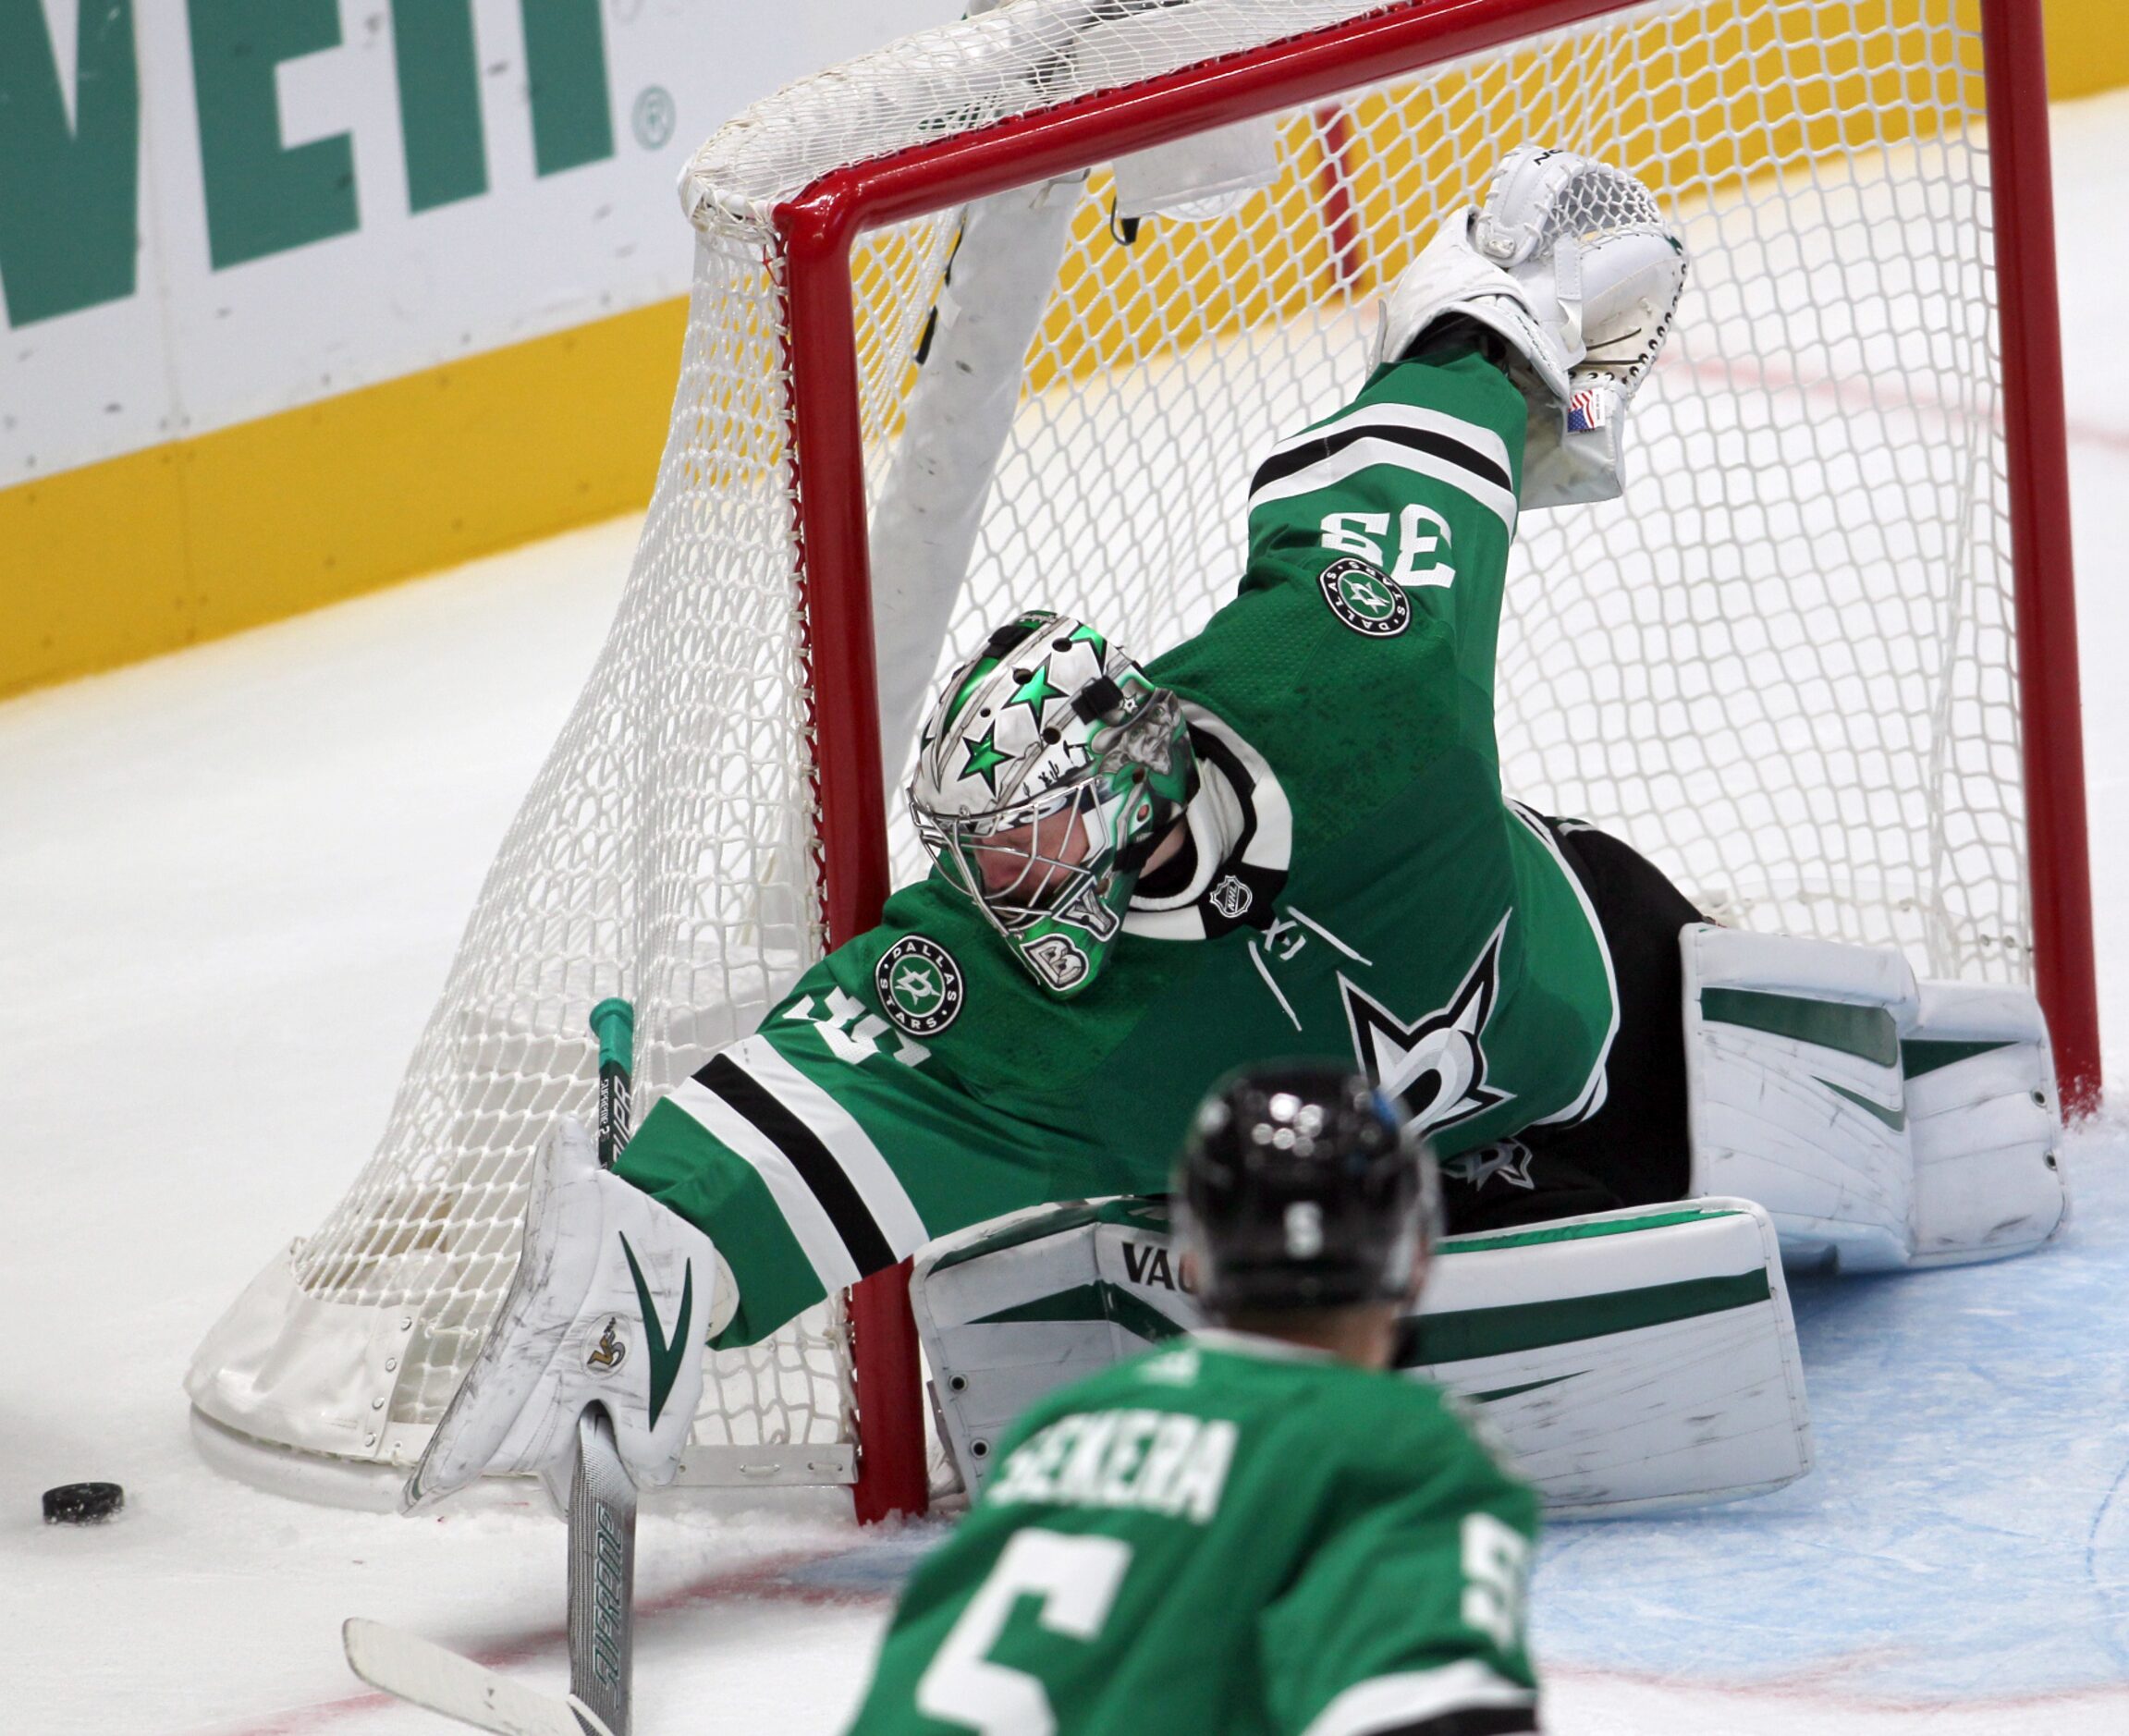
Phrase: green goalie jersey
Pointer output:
(1235, 1537)
(1360, 889)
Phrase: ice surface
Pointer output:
(229, 885)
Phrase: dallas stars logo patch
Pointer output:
(1365, 598)
(1434, 1069)
(1507, 1161)
(919, 985)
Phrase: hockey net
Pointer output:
(1783, 665)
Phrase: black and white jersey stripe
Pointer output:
(1463, 1698)
(840, 1197)
(1462, 454)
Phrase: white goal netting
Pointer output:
(1781, 666)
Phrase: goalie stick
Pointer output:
(431, 1676)
(602, 1574)
(602, 1496)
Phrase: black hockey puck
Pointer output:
(83, 1503)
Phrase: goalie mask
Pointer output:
(1299, 1187)
(1045, 775)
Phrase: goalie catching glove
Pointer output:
(614, 1297)
(1570, 262)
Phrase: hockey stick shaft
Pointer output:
(602, 1495)
(602, 1574)
(614, 1024)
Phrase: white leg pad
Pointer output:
(1008, 1310)
(1794, 1089)
(1622, 1361)
(1627, 1360)
(1882, 1122)
(1985, 1124)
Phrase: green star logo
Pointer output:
(1038, 690)
(916, 986)
(1367, 595)
(919, 984)
(985, 759)
(1366, 599)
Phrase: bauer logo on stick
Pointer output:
(1366, 599)
(919, 985)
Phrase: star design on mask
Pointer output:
(1434, 1067)
(984, 758)
(1037, 690)
(1083, 635)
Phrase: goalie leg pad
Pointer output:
(1625, 1360)
(1008, 1310)
(1983, 1118)
(1882, 1122)
(1793, 1090)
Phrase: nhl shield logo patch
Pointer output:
(1365, 598)
(919, 985)
(1230, 898)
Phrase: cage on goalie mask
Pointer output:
(1300, 1188)
(1045, 774)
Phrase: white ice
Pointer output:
(230, 882)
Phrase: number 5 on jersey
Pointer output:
(1496, 1566)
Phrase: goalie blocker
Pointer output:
(1626, 1361)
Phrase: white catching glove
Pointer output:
(1568, 260)
(614, 1297)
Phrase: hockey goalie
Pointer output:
(1288, 837)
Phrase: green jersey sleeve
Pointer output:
(1410, 1616)
(1411, 485)
(834, 1142)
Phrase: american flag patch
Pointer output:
(1586, 411)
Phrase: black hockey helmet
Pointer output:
(1299, 1189)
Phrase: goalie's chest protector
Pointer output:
(1390, 908)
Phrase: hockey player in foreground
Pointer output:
(1258, 1529)
(1289, 835)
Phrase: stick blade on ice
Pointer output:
(431, 1676)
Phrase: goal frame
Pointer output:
(818, 228)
